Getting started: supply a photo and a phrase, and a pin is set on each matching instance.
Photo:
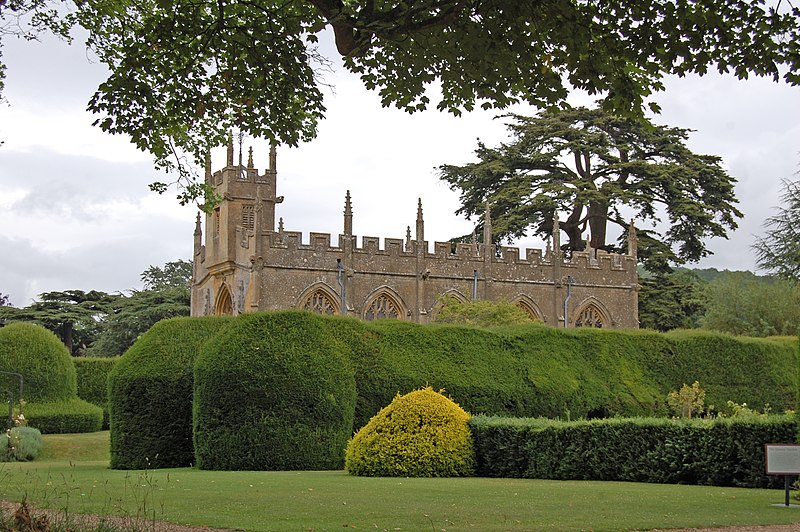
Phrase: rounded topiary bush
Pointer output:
(273, 391)
(420, 434)
(41, 358)
(49, 383)
(150, 394)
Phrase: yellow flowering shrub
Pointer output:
(420, 434)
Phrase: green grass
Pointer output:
(333, 500)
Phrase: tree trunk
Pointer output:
(598, 220)
(572, 228)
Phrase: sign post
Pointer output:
(783, 459)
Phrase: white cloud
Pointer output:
(76, 213)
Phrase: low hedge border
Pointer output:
(719, 452)
(64, 417)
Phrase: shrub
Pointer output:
(64, 417)
(41, 358)
(687, 401)
(722, 452)
(273, 391)
(92, 380)
(150, 394)
(20, 444)
(420, 434)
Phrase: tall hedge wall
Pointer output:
(273, 391)
(150, 395)
(527, 371)
(720, 452)
(92, 379)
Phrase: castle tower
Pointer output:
(233, 230)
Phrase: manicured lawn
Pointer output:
(333, 500)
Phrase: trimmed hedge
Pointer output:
(150, 394)
(525, 371)
(273, 391)
(41, 358)
(720, 452)
(64, 417)
(92, 379)
(535, 370)
(419, 434)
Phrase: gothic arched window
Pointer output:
(383, 306)
(591, 316)
(224, 306)
(321, 302)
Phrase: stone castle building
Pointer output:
(249, 263)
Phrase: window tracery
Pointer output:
(320, 302)
(591, 316)
(383, 306)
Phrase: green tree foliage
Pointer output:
(614, 163)
(778, 251)
(480, 313)
(182, 74)
(688, 401)
(74, 315)
(675, 300)
(132, 316)
(176, 274)
(744, 304)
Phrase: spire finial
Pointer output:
(230, 149)
(633, 240)
(250, 158)
(208, 167)
(197, 230)
(487, 227)
(420, 222)
(348, 215)
(556, 236)
(280, 224)
(273, 157)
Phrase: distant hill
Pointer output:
(706, 274)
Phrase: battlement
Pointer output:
(321, 243)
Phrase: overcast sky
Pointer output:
(76, 212)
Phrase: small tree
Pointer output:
(778, 251)
(687, 401)
(669, 301)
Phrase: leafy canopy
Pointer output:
(674, 300)
(778, 251)
(183, 73)
(599, 169)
